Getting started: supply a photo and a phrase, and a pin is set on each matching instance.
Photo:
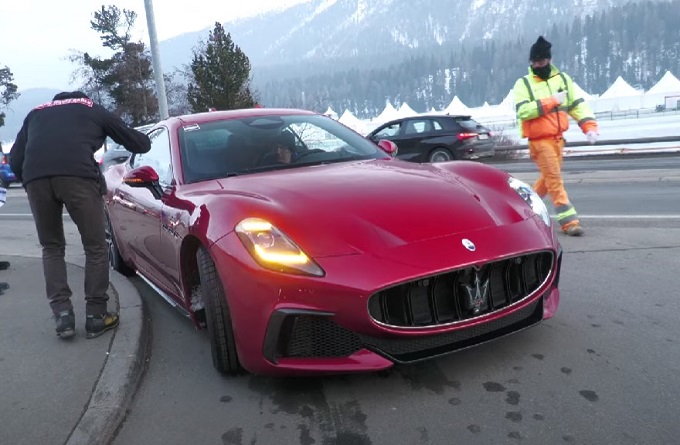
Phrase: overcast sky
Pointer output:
(37, 35)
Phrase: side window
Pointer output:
(437, 126)
(388, 131)
(158, 157)
(418, 126)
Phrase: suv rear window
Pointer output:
(469, 124)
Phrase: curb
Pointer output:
(122, 371)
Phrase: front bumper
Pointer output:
(297, 325)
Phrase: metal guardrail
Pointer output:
(608, 142)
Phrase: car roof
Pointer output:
(212, 116)
(426, 116)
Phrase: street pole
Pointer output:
(156, 60)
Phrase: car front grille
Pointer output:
(462, 294)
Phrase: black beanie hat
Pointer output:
(540, 50)
(70, 95)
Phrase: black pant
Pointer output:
(84, 203)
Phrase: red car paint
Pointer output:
(369, 224)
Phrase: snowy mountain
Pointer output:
(322, 30)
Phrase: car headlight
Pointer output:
(273, 250)
(531, 198)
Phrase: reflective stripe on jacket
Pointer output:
(541, 114)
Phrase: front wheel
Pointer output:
(440, 155)
(218, 316)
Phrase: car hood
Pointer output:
(368, 206)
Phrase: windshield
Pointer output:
(252, 145)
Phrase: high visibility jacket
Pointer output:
(541, 114)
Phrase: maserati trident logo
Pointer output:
(477, 294)
(469, 245)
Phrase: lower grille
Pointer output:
(461, 294)
(316, 337)
(313, 336)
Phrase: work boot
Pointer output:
(96, 325)
(3, 287)
(4, 265)
(66, 324)
(575, 230)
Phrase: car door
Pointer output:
(392, 131)
(413, 137)
(141, 211)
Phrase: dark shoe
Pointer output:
(66, 324)
(575, 230)
(4, 265)
(3, 287)
(96, 325)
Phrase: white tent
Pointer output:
(620, 88)
(406, 111)
(666, 92)
(509, 101)
(582, 92)
(619, 97)
(457, 107)
(353, 122)
(387, 114)
(667, 84)
(330, 113)
(493, 114)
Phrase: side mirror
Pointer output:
(388, 147)
(144, 177)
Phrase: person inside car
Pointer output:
(282, 150)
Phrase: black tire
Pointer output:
(4, 184)
(115, 259)
(440, 154)
(217, 316)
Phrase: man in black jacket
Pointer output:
(53, 157)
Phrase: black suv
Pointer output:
(437, 138)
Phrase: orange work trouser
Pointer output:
(548, 155)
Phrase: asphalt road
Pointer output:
(605, 370)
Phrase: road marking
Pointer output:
(22, 215)
(625, 216)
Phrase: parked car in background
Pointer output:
(7, 177)
(303, 247)
(116, 153)
(437, 138)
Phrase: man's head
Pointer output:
(540, 57)
(285, 147)
(70, 95)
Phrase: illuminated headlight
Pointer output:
(531, 198)
(273, 250)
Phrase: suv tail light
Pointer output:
(4, 159)
(464, 136)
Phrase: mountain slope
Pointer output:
(329, 29)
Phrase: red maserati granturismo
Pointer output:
(303, 247)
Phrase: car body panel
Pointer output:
(369, 224)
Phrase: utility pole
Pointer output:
(156, 60)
